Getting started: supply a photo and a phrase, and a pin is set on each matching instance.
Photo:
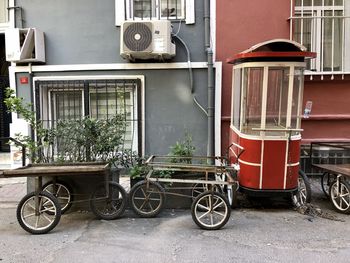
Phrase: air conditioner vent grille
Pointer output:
(138, 36)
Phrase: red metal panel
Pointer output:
(252, 150)
(249, 176)
(294, 152)
(274, 164)
(292, 177)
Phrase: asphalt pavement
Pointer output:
(255, 233)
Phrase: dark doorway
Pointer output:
(5, 117)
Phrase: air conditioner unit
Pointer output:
(146, 40)
(25, 45)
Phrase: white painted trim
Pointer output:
(269, 64)
(217, 118)
(80, 77)
(266, 138)
(233, 152)
(113, 66)
(290, 96)
(262, 163)
(293, 164)
(119, 6)
(249, 163)
(190, 12)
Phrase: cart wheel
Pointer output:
(303, 195)
(326, 180)
(40, 222)
(63, 193)
(340, 196)
(210, 210)
(147, 198)
(108, 207)
(200, 188)
(232, 191)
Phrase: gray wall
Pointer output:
(84, 31)
(169, 108)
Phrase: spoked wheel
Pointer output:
(44, 219)
(303, 195)
(62, 192)
(200, 188)
(147, 198)
(109, 206)
(339, 193)
(210, 210)
(326, 180)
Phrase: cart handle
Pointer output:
(238, 146)
(149, 159)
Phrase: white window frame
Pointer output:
(9, 17)
(317, 34)
(136, 134)
(123, 12)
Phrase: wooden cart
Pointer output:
(212, 191)
(337, 177)
(40, 211)
(335, 170)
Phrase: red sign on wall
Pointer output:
(23, 80)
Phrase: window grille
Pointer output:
(75, 100)
(155, 9)
(319, 25)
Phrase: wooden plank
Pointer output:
(343, 169)
(56, 170)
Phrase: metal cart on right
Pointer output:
(335, 168)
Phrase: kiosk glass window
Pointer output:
(277, 98)
(236, 97)
(297, 98)
(252, 99)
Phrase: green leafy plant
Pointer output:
(180, 149)
(35, 147)
(84, 140)
(183, 148)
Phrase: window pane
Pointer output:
(318, 2)
(68, 105)
(236, 114)
(332, 35)
(3, 11)
(297, 97)
(303, 33)
(144, 8)
(277, 98)
(110, 99)
(252, 89)
(172, 8)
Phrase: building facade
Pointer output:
(84, 63)
(322, 27)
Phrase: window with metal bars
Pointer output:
(155, 9)
(64, 100)
(319, 25)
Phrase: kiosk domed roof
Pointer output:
(276, 49)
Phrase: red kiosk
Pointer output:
(267, 95)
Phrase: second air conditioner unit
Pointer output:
(146, 40)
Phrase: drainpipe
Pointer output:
(209, 51)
